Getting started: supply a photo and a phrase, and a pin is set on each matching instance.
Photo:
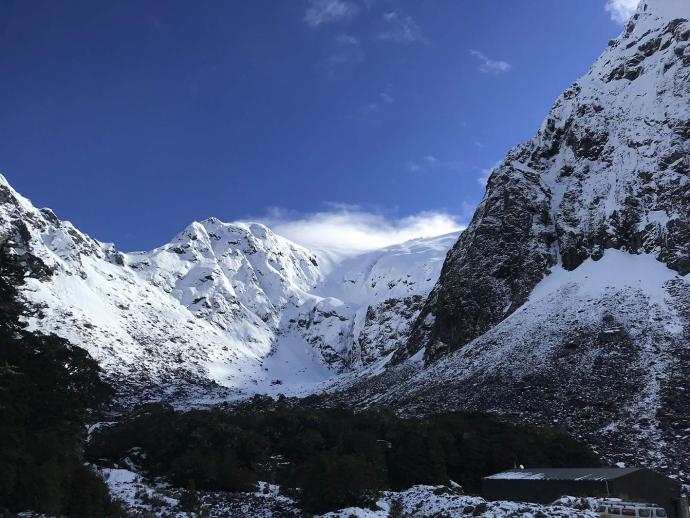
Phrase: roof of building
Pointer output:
(563, 474)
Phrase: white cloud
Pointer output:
(350, 229)
(491, 66)
(621, 10)
(431, 163)
(401, 29)
(321, 12)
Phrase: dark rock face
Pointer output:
(608, 169)
(494, 265)
(673, 413)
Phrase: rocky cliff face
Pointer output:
(608, 169)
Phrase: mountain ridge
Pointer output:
(229, 309)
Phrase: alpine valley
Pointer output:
(564, 304)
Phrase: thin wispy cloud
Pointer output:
(321, 12)
(401, 28)
(374, 108)
(485, 173)
(430, 163)
(621, 10)
(369, 4)
(347, 50)
(347, 40)
(350, 229)
(386, 97)
(490, 66)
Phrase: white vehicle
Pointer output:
(618, 509)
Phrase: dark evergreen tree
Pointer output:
(47, 388)
(335, 457)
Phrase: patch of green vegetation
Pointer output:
(47, 387)
(337, 458)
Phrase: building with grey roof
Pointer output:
(544, 485)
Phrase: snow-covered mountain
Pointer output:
(609, 168)
(567, 299)
(230, 304)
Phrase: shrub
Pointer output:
(333, 480)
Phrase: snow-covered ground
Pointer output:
(435, 501)
(139, 497)
(572, 280)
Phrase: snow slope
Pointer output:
(600, 351)
(431, 502)
(668, 9)
(363, 310)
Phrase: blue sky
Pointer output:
(134, 118)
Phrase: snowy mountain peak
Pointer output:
(665, 9)
(216, 268)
